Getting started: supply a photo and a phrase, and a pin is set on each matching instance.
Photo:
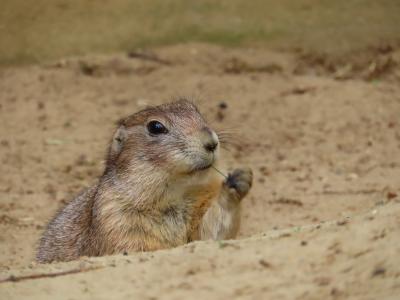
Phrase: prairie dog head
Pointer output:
(172, 137)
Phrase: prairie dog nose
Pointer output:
(209, 139)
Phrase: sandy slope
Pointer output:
(321, 221)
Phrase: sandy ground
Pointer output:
(321, 222)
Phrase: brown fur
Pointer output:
(153, 194)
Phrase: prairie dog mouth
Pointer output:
(204, 165)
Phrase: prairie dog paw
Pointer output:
(239, 182)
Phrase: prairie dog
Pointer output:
(158, 190)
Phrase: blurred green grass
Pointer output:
(36, 31)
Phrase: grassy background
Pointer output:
(33, 31)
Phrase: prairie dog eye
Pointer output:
(155, 128)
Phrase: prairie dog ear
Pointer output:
(118, 140)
